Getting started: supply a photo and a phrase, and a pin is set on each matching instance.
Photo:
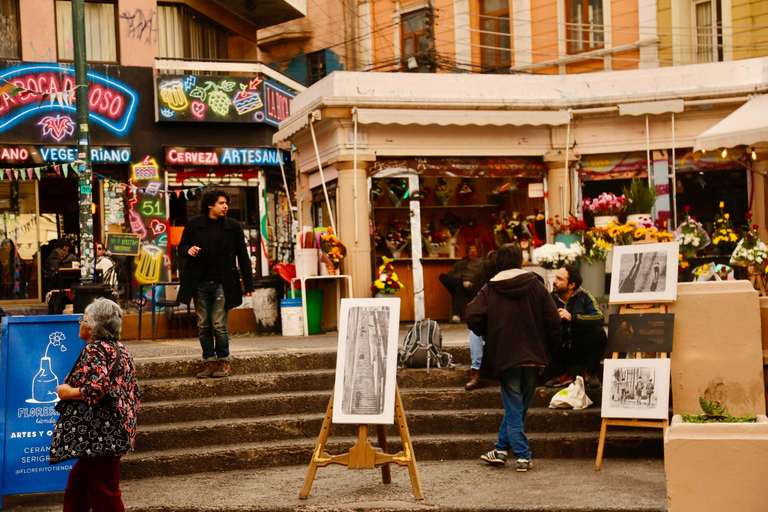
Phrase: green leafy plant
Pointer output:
(640, 197)
(714, 412)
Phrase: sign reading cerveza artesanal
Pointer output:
(36, 354)
(123, 244)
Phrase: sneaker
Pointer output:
(592, 381)
(523, 464)
(208, 370)
(558, 382)
(225, 369)
(455, 319)
(475, 382)
(495, 458)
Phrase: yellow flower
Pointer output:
(394, 276)
(727, 215)
(722, 204)
(379, 285)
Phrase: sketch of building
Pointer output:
(365, 360)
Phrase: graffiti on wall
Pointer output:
(141, 26)
(230, 99)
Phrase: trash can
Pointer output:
(84, 294)
(268, 291)
(314, 310)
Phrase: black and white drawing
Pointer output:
(366, 363)
(44, 382)
(636, 388)
(644, 273)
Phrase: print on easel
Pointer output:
(44, 383)
(636, 388)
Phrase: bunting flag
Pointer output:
(37, 172)
(65, 168)
(16, 173)
(178, 193)
(57, 168)
(8, 173)
(29, 173)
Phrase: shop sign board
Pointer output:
(36, 354)
(123, 244)
(220, 99)
(224, 156)
(28, 154)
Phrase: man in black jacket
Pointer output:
(520, 325)
(212, 244)
(458, 281)
(584, 339)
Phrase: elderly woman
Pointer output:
(94, 483)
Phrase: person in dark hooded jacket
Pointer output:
(520, 325)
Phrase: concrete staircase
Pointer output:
(269, 414)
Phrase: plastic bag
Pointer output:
(574, 396)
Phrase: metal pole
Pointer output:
(84, 173)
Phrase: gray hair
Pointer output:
(104, 318)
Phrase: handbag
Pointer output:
(89, 431)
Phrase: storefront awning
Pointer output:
(747, 126)
(463, 117)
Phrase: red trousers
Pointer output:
(94, 484)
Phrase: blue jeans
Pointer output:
(475, 350)
(517, 387)
(212, 321)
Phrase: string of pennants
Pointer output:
(65, 97)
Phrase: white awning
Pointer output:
(747, 126)
(463, 117)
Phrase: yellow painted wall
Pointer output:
(624, 20)
(746, 15)
(544, 30)
(664, 22)
(445, 37)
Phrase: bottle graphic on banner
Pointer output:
(44, 383)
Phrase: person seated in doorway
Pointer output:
(61, 257)
(583, 334)
(460, 278)
(106, 265)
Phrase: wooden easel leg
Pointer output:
(601, 446)
(410, 456)
(319, 449)
(381, 434)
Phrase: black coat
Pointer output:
(517, 319)
(232, 248)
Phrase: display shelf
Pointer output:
(460, 206)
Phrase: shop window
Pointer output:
(584, 25)
(418, 53)
(186, 34)
(709, 34)
(321, 217)
(100, 31)
(19, 278)
(494, 34)
(9, 29)
(316, 68)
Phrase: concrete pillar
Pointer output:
(557, 203)
(759, 211)
(356, 236)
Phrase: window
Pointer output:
(418, 54)
(709, 35)
(186, 34)
(584, 25)
(100, 31)
(316, 66)
(9, 29)
(494, 33)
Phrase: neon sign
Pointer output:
(112, 104)
(224, 156)
(146, 169)
(57, 127)
(62, 154)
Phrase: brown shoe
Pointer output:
(475, 381)
(208, 370)
(225, 369)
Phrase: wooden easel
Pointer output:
(363, 455)
(634, 309)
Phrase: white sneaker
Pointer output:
(455, 319)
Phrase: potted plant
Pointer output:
(640, 200)
(750, 252)
(691, 236)
(724, 238)
(568, 230)
(387, 283)
(605, 208)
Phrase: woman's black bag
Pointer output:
(86, 432)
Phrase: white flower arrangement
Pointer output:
(554, 256)
(750, 252)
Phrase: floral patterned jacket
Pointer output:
(91, 375)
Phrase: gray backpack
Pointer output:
(423, 347)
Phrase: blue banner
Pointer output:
(36, 354)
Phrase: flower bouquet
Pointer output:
(750, 251)
(333, 250)
(724, 238)
(593, 249)
(569, 226)
(434, 240)
(554, 256)
(466, 192)
(397, 238)
(452, 223)
(691, 236)
(387, 280)
(606, 203)
(443, 191)
(503, 232)
(397, 189)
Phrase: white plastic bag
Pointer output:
(574, 396)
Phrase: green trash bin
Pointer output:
(314, 309)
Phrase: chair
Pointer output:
(170, 305)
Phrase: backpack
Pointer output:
(423, 347)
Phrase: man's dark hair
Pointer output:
(574, 276)
(62, 243)
(212, 195)
(509, 256)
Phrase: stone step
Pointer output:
(620, 443)
(420, 423)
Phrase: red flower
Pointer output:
(687, 209)
(693, 219)
(755, 226)
(748, 215)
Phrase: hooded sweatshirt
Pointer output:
(517, 319)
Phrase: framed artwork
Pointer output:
(651, 332)
(366, 361)
(644, 273)
(636, 388)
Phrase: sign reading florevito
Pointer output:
(224, 156)
(220, 99)
(36, 354)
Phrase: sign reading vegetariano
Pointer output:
(222, 99)
(23, 153)
(112, 104)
